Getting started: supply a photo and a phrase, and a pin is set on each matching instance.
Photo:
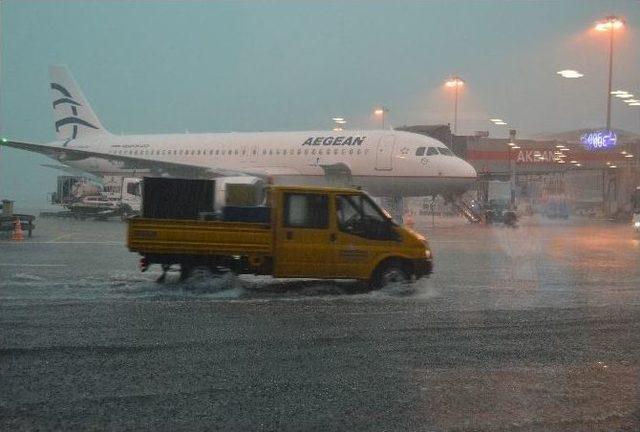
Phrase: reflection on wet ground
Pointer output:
(541, 263)
(533, 328)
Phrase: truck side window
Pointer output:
(133, 189)
(432, 151)
(420, 151)
(306, 211)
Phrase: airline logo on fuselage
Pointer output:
(336, 141)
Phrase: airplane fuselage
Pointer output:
(383, 162)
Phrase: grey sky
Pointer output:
(156, 67)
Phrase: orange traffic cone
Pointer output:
(17, 234)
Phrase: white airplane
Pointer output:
(383, 162)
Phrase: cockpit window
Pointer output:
(445, 151)
(420, 151)
(432, 151)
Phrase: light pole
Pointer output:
(455, 82)
(610, 24)
(381, 112)
(512, 168)
(338, 123)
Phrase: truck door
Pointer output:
(303, 239)
(363, 234)
(384, 154)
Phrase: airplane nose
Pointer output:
(471, 170)
(467, 170)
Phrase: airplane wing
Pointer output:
(64, 154)
(64, 168)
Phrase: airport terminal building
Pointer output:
(595, 173)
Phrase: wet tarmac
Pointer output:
(528, 329)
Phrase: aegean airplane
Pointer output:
(383, 162)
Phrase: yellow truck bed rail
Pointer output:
(195, 237)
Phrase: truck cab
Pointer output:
(341, 233)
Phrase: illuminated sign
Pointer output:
(543, 156)
(599, 140)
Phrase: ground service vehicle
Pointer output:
(498, 208)
(300, 232)
(556, 207)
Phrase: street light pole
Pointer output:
(610, 77)
(610, 24)
(456, 82)
(455, 112)
(382, 111)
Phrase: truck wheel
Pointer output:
(510, 219)
(390, 274)
(185, 271)
(489, 218)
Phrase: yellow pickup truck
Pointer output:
(300, 232)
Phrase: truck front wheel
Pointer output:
(391, 273)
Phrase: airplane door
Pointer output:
(384, 154)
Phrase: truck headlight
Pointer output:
(427, 250)
(636, 224)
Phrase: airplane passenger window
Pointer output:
(344, 151)
(319, 151)
(313, 151)
(236, 152)
(299, 151)
(420, 151)
(306, 151)
(358, 151)
(445, 151)
(335, 152)
(350, 151)
(431, 151)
